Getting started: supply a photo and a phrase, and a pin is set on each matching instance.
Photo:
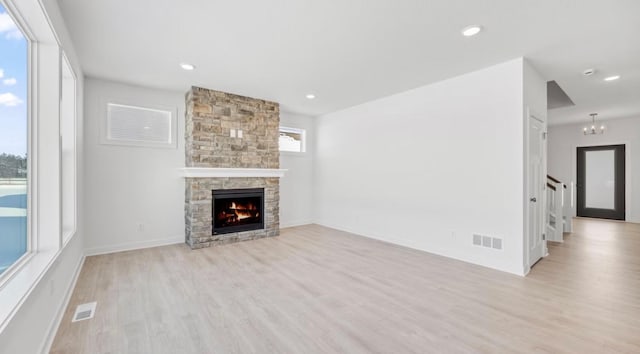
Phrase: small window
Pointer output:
(139, 126)
(292, 139)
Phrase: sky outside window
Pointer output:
(13, 87)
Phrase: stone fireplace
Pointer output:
(231, 148)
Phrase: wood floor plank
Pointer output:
(319, 290)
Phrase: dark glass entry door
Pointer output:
(601, 182)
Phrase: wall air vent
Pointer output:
(487, 241)
(497, 243)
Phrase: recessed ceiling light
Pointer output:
(471, 30)
(612, 78)
(311, 96)
(187, 66)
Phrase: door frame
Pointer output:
(620, 158)
(531, 114)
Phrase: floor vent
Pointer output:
(84, 312)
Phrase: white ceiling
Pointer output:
(349, 52)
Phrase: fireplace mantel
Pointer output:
(205, 172)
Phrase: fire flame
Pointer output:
(240, 212)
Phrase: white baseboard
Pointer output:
(130, 246)
(55, 324)
(284, 225)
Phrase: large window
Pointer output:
(37, 150)
(14, 55)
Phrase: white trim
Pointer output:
(55, 322)
(294, 154)
(66, 237)
(204, 172)
(130, 246)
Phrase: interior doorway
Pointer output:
(601, 182)
(536, 247)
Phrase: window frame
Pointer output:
(66, 237)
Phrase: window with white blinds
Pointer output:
(139, 126)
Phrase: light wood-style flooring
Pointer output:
(318, 290)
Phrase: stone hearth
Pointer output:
(210, 118)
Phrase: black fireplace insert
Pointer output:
(236, 210)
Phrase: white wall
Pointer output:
(32, 327)
(430, 167)
(564, 139)
(296, 187)
(535, 91)
(127, 186)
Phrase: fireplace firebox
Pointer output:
(236, 210)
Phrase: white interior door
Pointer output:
(536, 191)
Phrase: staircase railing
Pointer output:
(555, 220)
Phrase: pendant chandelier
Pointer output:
(593, 130)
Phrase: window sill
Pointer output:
(21, 283)
(294, 154)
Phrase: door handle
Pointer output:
(533, 199)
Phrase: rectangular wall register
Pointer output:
(217, 160)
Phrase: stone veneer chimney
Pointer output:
(210, 117)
